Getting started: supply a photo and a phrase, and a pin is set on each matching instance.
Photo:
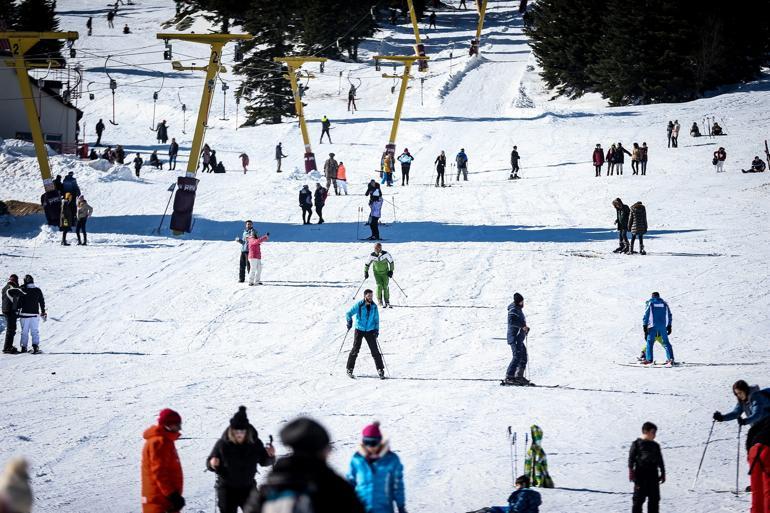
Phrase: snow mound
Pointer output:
(100, 164)
(454, 80)
(19, 148)
(313, 176)
(120, 172)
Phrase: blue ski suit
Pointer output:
(379, 483)
(516, 336)
(657, 322)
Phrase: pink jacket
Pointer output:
(255, 251)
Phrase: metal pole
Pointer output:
(358, 222)
(331, 372)
(203, 109)
(511, 437)
(383, 357)
(399, 287)
(359, 288)
(171, 190)
(738, 459)
(706, 446)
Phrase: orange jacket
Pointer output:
(341, 173)
(161, 469)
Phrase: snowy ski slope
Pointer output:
(139, 321)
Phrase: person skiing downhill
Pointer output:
(646, 470)
(377, 474)
(517, 333)
(32, 309)
(368, 328)
(383, 266)
(162, 479)
(598, 159)
(754, 404)
(325, 127)
(656, 322)
(622, 212)
(514, 164)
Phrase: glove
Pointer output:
(390, 274)
(718, 416)
(741, 421)
(646, 329)
(668, 329)
(350, 323)
(366, 275)
(662, 478)
(631, 475)
(268, 234)
(177, 501)
(239, 240)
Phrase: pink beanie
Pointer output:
(372, 431)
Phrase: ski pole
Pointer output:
(511, 438)
(383, 357)
(358, 222)
(339, 352)
(515, 460)
(359, 288)
(706, 446)
(738, 459)
(399, 287)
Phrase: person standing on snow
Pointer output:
(255, 257)
(306, 203)
(598, 159)
(10, 304)
(330, 171)
(320, 194)
(375, 212)
(636, 158)
(162, 479)
(719, 159)
(367, 328)
(759, 469)
(326, 126)
(514, 164)
(637, 225)
(352, 98)
(657, 323)
(644, 462)
(754, 404)
(440, 163)
(243, 265)
(234, 459)
(342, 178)
(67, 217)
(206, 157)
(406, 163)
(675, 134)
(377, 474)
(610, 159)
(621, 212)
(278, 156)
(173, 151)
(620, 158)
(138, 164)
(387, 169)
(99, 132)
(162, 132)
(383, 266)
(669, 129)
(517, 334)
(462, 165)
(643, 151)
(32, 308)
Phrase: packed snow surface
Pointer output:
(140, 321)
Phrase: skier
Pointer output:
(67, 217)
(234, 459)
(375, 212)
(536, 464)
(138, 164)
(90, 25)
(302, 481)
(644, 463)
(719, 159)
(155, 161)
(342, 178)
(620, 158)
(694, 130)
(15, 491)
(754, 404)
(406, 163)
(111, 19)
(31, 309)
(383, 266)
(462, 165)
(325, 127)
(514, 164)
(173, 151)
(622, 213)
(636, 158)
(757, 166)
(278, 156)
(716, 129)
(675, 134)
(320, 195)
(643, 151)
(598, 159)
(637, 225)
(657, 323)
(352, 98)
(99, 131)
(377, 474)
(243, 264)
(10, 305)
(84, 211)
(162, 480)
(255, 257)
(306, 203)
(669, 129)
(368, 328)
(517, 334)
(244, 162)
(432, 20)
(440, 163)
(205, 157)
(330, 171)
(610, 160)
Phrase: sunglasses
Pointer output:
(374, 442)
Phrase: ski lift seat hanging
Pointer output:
(113, 84)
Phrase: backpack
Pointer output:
(645, 460)
(462, 158)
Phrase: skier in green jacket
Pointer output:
(382, 264)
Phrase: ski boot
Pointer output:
(23, 349)
(509, 381)
(523, 382)
(642, 357)
(646, 362)
(387, 304)
(670, 363)
(11, 350)
(350, 374)
(642, 252)
(381, 373)
(620, 249)
(35, 349)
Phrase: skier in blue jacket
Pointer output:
(754, 404)
(377, 474)
(517, 333)
(657, 323)
(367, 327)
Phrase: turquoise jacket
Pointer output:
(367, 316)
(379, 483)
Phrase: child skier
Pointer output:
(644, 461)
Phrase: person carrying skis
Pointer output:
(67, 217)
(326, 126)
(375, 212)
(234, 459)
(462, 165)
(637, 225)
(330, 171)
(406, 163)
(383, 266)
(306, 203)
(377, 474)
(31, 309)
(243, 263)
(10, 304)
(321, 194)
(517, 333)
(440, 163)
(656, 322)
(278, 156)
(99, 132)
(719, 159)
(621, 220)
(255, 257)
(162, 132)
(598, 159)
(138, 164)
(514, 164)
(84, 212)
(173, 151)
(342, 178)
(162, 479)
(367, 328)
(646, 470)
(536, 463)
(754, 404)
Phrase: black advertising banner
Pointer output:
(184, 201)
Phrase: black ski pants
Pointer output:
(80, 227)
(371, 340)
(598, 170)
(405, 174)
(10, 329)
(244, 266)
(440, 176)
(309, 211)
(646, 489)
(514, 168)
(374, 225)
(328, 135)
(229, 499)
(319, 209)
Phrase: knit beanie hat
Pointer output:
(517, 298)
(305, 436)
(240, 420)
(168, 417)
(15, 492)
(372, 433)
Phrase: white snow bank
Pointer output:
(454, 80)
(100, 164)
(120, 172)
(19, 148)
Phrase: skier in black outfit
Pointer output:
(622, 212)
(99, 131)
(234, 458)
(514, 164)
(440, 168)
(517, 333)
(644, 461)
(306, 203)
(326, 125)
(11, 299)
(173, 151)
(90, 25)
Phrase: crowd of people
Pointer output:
(616, 157)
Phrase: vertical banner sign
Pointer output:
(184, 201)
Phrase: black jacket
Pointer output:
(645, 459)
(320, 196)
(10, 291)
(328, 492)
(440, 162)
(32, 302)
(622, 216)
(238, 462)
(305, 198)
(514, 157)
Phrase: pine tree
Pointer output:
(7, 14)
(40, 16)
(331, 27)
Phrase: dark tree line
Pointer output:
(33, 16)
(647, 51)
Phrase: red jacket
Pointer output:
(598, 157)
(255, 250)
(161, 469)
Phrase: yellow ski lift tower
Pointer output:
(20, 43)
(407, 61)
(184, 199)
(481, 6)
(419, 48)
(293, 64)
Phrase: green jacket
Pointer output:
(381, 263)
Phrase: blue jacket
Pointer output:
(244, 240)
(525, 500)
(379, 483)
(367, 317)
(756, 408)
(461, 159)
(516, 321)
(657, 314)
